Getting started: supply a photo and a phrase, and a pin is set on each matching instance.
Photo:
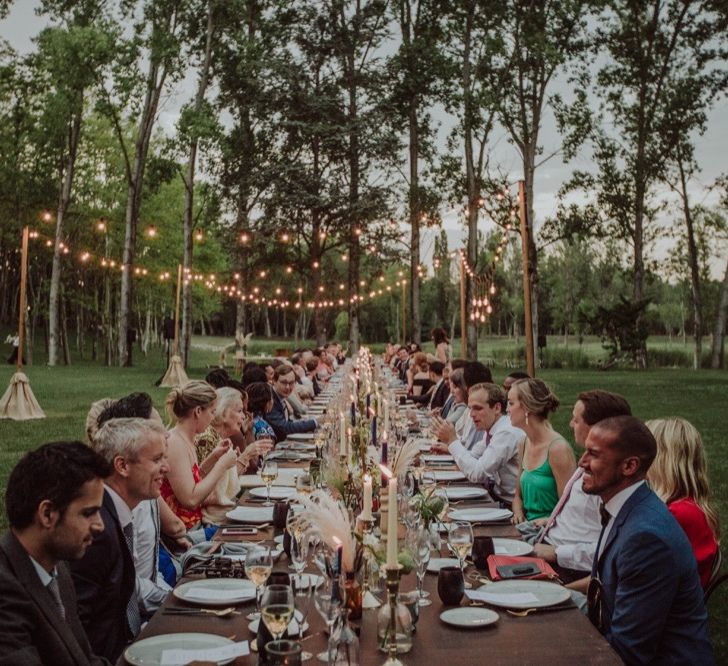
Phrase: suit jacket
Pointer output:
(654, 610)
(280, 423)
(435, 397)
(104, 579)
(32, 631)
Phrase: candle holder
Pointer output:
(369, 600)
(393, 576)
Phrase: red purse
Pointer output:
(505, 567)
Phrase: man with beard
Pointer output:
(53, 501)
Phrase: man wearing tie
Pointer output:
(645, 594)
(569, 535)
(105, 578)
(52, 501)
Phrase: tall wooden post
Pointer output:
(404, 311)
(176, 310)
(463, 318)
(530, 364)
(21, 304)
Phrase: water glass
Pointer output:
(284, 653)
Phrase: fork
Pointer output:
(223, 612)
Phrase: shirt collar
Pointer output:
(122, 508)
(44, 576)
(614, 505)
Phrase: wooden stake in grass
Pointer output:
(176, 375)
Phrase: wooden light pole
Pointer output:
(404, 311)
(530, 364)
(463, 318)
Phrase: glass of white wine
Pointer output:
(460, 540)
(269, 473)
(277, 609)
(258, 565)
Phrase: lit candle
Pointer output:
(392, 562)
(366, 513)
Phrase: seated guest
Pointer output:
(497, 464)
(439, 390)
(513, 377)
(280, 417)
(105, 577)
(260, 403)
(568, 538)
(679, 477)
(218, 378)
(418, 375)
(270, 371)
(645, 594)
(52, 502)
(188, 483)
(457, 413)
(253, 373)
(455, 364)
(401, 365)
(92, 418)
(311, 368)
(545, 457)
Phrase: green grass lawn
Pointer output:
(65, 394)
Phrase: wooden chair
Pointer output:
(716, 579)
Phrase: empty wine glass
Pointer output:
(421, 553)
(277, 609)
(327, 599)
(460, 541)
(303, 599)
(258, 565)
(299, 553)
(268, 473)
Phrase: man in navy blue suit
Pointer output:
(280, 417)
(645, 594)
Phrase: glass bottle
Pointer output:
(403, 623)
(347, 642)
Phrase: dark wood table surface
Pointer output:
(564, 637)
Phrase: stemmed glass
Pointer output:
(303, 600)
(258, 565)
(328, 603)
(299, 554)
(268, 473)
(277, 605)
(460, 541)
(421, 552)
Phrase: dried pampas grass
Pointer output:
(404, 457)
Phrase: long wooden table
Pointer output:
(563, 637)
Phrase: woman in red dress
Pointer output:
(679, 476)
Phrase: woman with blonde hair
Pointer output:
(545, 457)
(679, 477)
(188, 482)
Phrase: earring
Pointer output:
(526, 418)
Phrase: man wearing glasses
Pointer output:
(645, 594)
(280, 417)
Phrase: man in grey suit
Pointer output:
(53, 500)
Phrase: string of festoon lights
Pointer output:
(329, 295)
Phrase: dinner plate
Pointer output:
(216, 591)
(469, 617)
(438, 459)
(251, 514)
(425, 444)
(301, 436)
(276, 492)
(446, 475)
(286, 477)
(521, 594)
(436, 563)
(292, 625)
(480, 515)
(462, 492)
(148, 651)
(512, 547)
(275, 553)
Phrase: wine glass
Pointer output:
(460, 541)
(258, 565)
(327, 599)
(303, 599)
(277, 608)
(421, 553)
(299, 554)
(268, 473)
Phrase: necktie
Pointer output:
(53, 589)
(132, 606)
(604, 514)
(560, 504)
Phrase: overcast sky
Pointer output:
(710, 149)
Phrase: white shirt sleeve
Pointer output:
(577, 556)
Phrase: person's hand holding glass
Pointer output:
(258, 566)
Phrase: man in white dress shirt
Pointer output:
(493, 458)
(568, 538)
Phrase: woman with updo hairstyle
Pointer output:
(545, 457)
(679, 477)
(188, 482)
(260, 402)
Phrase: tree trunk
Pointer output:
(414, 218)
(64, 330)
(74, 134)
(189, 181)
(529, 176)
(716, 356)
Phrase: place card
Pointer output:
(179, 657)
(512, 598)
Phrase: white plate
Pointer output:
(301, 436)
(469, 617)
(436, 563)
(425, 444)
(286, 477)
(276, 492)
(216, 591)
(148, 651)
(512, 547)
(438, 459)
(292, 625)
(446, 475)
(275, 553)
(521, 594)
(481, 515)
(251, 514)
(462, 492)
